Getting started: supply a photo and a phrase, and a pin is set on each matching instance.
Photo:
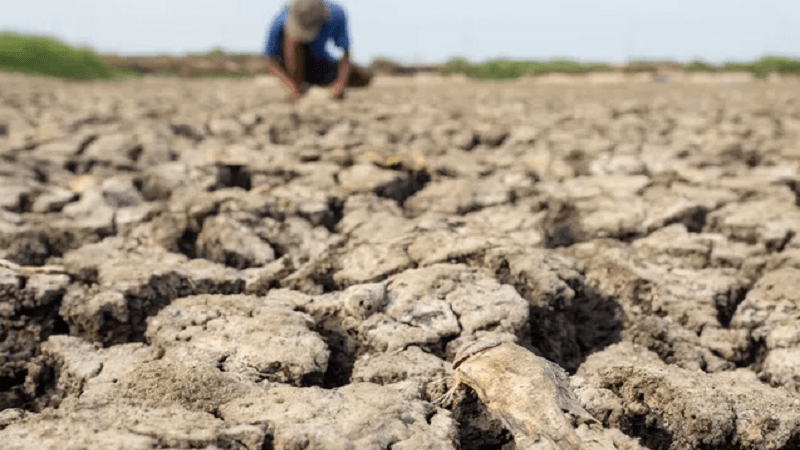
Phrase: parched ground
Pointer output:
(197, 264)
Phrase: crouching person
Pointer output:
(296, 49)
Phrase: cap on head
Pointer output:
(305, 19)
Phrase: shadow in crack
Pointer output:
(340, 363)
(561, 225)
(233, 175)
(568, 333)
(12, 393)
(477, 429)
(649, 435)
(568, 320)
(405, 187)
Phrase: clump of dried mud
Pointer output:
(196, 264)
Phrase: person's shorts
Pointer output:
(318, 72)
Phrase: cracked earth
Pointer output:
(197, 264)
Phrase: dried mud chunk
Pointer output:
(595, 438)
(14, 195)
(316, 205)
(367, 178)
(28, 315)
(453, 163)
(110, 427)
(61, 151)
(457, 196)
(120, 191)
(97, 315)
(707, 197)
(72, 367)
(377, 237)
(673, 245)
(568, 320)
(226, 241)
(683, 347)
(116, 150)
(610, 164)
(246, 335)
(609, 217)
(624, 217)
(160, 181)
(441, 243)
(441, 301)
(768, 222)
(259, 281)
(360, 415)
(53, 200)
(789, 258)
(582, 188)
(780, 366)
(86, 221)
(10, 415)
(338, 316)
(368, 218)
(370, 262)
(666, 206)
(541, 276)
(672, 408)
(132, 283)
(771, 303)
(760, 178)
(225, 127)
(425, 370)
(129, 221)
(427, 324)
(481, 303)
(667, 308)
(584, 208)
(520, 224)
(296, 237)
(691, 298)
(22, 243)
(771, 315)
(178, 379)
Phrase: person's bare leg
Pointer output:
(294, 56)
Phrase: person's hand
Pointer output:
(294, 95)
(337, 91)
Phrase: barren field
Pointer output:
(430, 264)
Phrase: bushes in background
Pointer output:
(40, 55)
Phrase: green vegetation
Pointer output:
(504, 68)
(760, 69)
(41, 55)
(216, 52)
(699, 66)
(385, 60)
(768, 65)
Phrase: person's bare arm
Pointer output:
(292, 74)
(276, 69)
(339, 84)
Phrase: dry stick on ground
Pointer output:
(28, 270)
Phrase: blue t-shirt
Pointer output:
(335, 27)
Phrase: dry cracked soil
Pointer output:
(197, 264)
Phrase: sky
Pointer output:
(421, 31)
